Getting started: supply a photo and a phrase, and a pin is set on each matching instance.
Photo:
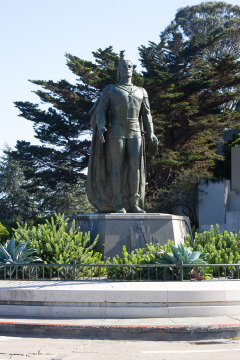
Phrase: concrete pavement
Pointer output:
(16, 348)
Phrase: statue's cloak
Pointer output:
(98, 185)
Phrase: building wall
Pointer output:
(235, 169)
(213, 202)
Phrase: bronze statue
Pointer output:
(120, 119)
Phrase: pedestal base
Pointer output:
(133, 230)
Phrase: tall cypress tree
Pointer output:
(192, 78)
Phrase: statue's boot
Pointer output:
(133, 202)
(118, 204)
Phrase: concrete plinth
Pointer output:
(133, 230)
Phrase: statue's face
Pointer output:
(126, 68)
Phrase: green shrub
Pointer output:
(4, 234)
(220, 247)
(10, 226)
(151, 255)
(38, 220)
(57, 243)
(141, 256)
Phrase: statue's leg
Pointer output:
(134, 155)
(117, 150)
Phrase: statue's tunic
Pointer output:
(126, 103)
(125, 112)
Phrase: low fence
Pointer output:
(109, 272)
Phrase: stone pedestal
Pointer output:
(133, 230)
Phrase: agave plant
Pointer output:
(180, 256)
(15, 255)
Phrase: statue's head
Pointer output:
(125, 68)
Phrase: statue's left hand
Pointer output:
(154, 139)
(153, 146)
(101, 134)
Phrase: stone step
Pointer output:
(120, 300)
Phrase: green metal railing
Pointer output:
(109, 272)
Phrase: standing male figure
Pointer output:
(121, 117)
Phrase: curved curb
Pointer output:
(121, 332)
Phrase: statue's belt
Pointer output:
(125, 119)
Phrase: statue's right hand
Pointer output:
(101, 134)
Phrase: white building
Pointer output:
(219, 202)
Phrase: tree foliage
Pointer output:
(192, 78)
(55, 168)
(16, 203)
(222, 168)
(181, 197)
(212, 27)
(4, 234)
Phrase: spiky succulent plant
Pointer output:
(180, 256)
(10, 254)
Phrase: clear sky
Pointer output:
(35, 35)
